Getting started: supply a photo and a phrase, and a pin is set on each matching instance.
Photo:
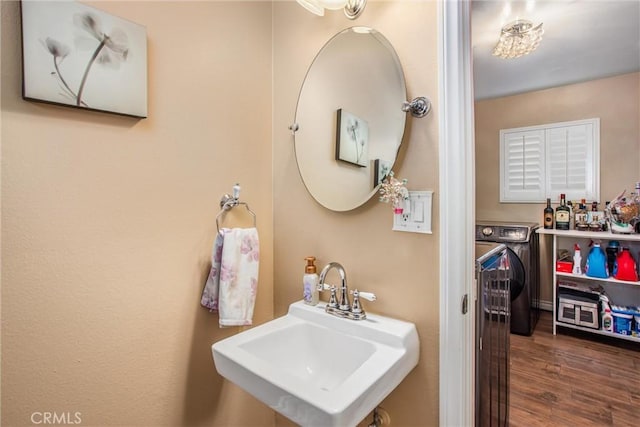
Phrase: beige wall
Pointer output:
(108, 224)
(401, 268)
(108, 221)
(614, 100)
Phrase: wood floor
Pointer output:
(573, 379)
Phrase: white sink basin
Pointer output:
(317, 369)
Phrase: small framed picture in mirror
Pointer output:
(352, 139)
(381, 169)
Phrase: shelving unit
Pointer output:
(627, 292)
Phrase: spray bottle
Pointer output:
(606, 323)
(577, 260)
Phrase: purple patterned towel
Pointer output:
(233, 281)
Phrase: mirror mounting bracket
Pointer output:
(418, 107)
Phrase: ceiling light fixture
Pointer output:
(518, 38)
(352, 8)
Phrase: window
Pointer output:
(540, 162)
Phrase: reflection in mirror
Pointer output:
(349, 117)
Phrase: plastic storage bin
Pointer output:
(637, 325)
(622, 323)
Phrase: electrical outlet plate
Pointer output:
(416, 216)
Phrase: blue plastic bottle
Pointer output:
(597, 262)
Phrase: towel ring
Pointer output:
(228, 202)
(253, 215)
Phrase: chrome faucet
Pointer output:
(344, 308)
(344, 296)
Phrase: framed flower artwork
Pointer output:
(79, 56)
(352, 139)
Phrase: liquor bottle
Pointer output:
(572, 210)
(596, 218)
(548, 215)
(581, 216)
(562, 214)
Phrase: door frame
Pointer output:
(457, 214)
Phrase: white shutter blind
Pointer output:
(540, 162)
(570, 161)
(522, 166)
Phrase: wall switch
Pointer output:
(417, 218)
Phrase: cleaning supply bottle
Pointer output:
(597, 262)
(577, 260)
(625, 267)
(607, 319)
(310, 282)
(612, 254)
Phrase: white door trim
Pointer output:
(457, 214)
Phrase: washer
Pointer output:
(522, 244)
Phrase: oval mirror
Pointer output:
(349, 118)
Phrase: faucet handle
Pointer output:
(333, 300)
(356, 307)
(324, 287)
(369, 296)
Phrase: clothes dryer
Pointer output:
(522, 243)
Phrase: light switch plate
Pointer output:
(416, 217)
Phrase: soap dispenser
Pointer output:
(310, 282)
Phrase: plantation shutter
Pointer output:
(523, 166)
(541, 162)
(570, 160)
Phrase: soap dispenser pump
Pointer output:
(310, 282)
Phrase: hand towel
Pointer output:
(211, 288)
(238, 276)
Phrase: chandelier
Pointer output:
(517, 39)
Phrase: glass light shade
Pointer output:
(517, 39)
(333, 4)
(312, 6)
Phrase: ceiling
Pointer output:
(583, 40)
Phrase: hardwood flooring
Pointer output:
(573, 379)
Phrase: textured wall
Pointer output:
(614, 100)
(107, 225)
(401, 268)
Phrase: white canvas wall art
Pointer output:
(79, 56)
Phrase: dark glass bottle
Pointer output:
(548, 215)
(562, 215)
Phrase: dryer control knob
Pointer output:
(487, 231)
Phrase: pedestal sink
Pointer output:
(317, 369)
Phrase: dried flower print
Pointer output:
(111, 50)
(116, 46)
(77, 55)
